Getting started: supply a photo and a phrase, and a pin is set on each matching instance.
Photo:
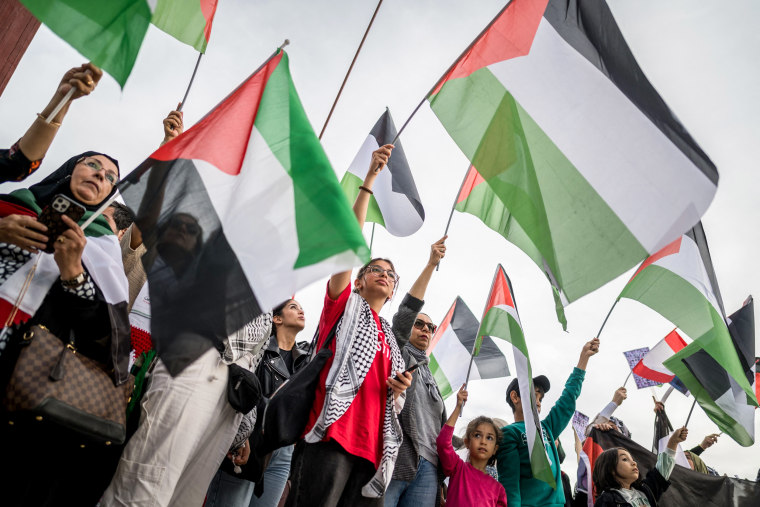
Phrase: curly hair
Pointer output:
(473, 426)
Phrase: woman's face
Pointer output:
(93, 179)
(376, 281)
(182, 231)
(292, 316)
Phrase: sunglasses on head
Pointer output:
(421, 324)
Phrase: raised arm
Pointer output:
(35, 143)
(339, 281)
(404, 318)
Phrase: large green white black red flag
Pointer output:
(588, 167)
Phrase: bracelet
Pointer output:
(75, 282)
(362, 187)
(53, 123)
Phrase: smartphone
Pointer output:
(409, 370)
(51, 217)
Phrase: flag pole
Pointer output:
(63, 101)
(350, 67)
(372, 238)
(690, 411)
(451, 67)
(135, 175)
(607, 317)
(451, 215)
(190, 84)
(629, 376)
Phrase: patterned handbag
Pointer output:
(53, 382)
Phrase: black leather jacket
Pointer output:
(272, 371)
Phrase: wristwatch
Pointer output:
(75, 282)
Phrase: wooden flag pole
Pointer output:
(350, 67)
(190, 84)
(629, 376)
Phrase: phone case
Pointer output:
(51, 217)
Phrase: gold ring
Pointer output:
(89, 83)
(60, 239)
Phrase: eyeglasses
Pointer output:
(421, 324)
(190, 227)
(95, 165)
(378, 270)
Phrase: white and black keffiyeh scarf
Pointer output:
(355, 349)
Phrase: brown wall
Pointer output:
(17, 28)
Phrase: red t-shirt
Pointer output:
(360, 430)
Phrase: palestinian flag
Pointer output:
(651, 365)
(110, 33)
(237, 214)
(592, 169)
(452, 345)
(679, 283)
(715, 389)
(687, 487)
(395, 203)
(188, 21)
(502, 321)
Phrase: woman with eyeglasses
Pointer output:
(353, 435)
(415, 478)
(24, 157)
(78, 292)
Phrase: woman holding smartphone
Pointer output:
(353, 435)
(79, 290)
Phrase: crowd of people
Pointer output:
(377, 431)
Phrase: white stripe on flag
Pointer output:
(615, 123)
(453, 359)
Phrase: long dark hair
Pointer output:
(277, 312)
(604, 470)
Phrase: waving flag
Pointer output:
(593, 169)
(633, 357)
(237, 214)
(651, 365)
(111, 32)
(715, 389)
(679, 283)
(395, 203)
(452, 346)
(502, 321)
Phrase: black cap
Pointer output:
(541, 382)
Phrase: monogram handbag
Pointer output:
(55, 383)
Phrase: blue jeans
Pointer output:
(420, 492)
(226, 490)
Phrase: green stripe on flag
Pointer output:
(183, 20)
(539, 463)
(350, 185)
(108, 33)
(559, 212)
(725, 422)
(325, 224)
(498, 323)
(440, 378)
(682, 304)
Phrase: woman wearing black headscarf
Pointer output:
(79, 289)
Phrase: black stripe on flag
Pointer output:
(590, 28)
(711, 375)
(402, 181)
(199, 294)
(742, 328)
(491, 362)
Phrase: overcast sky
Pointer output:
(700, 55)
